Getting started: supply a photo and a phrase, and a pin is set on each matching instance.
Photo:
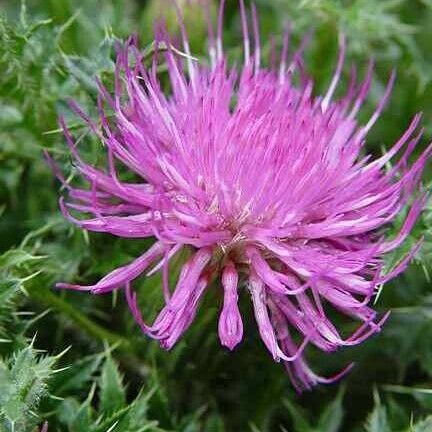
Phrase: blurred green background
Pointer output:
(112, 378)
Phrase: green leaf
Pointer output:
(78, 375)
(116, 419)
(9, 291)
(112, 394)
(82, 421)
(24, 382)
(67, 411)
(9, 115)
(214, 423)
(298, 416)
(377, 420)
(331, 418)
(422, 426)
(15, 257)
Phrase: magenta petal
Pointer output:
(121, 276)
(230, 321)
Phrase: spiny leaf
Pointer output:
(82, 419)
(299, 418)
(377, 420)
(422, 426)
(331, 418)
(112, 394)
(78, 375)
(15, 257)
(24, 382)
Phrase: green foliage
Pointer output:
(112, 412)
(329, 420)
(24, 379)
(114, 379)
(365, 22)
(377, 420)
(392, 418)
(112, 395)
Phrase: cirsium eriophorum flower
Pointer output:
(265, 183)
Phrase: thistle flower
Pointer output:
(266, 184)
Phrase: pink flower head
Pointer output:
(263, 182)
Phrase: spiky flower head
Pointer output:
(263, 182)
